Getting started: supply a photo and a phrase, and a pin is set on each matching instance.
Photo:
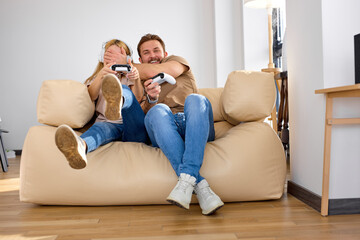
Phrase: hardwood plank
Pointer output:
(286, 218)
(21, 237)
(226, 236)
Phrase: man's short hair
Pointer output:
(149, 37)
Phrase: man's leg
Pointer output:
(199, 129)
(164, 134)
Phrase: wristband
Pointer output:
(151, 101)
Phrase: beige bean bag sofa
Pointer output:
(246, 161)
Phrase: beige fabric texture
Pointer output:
(246, 162)
(64, 102)
(214, 94)
(248, 96)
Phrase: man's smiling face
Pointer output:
(151, 52)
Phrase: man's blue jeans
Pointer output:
(182, 136)
(131, 130)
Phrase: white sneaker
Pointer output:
(112, 91)
(72, 146)
(182, 193)
(208, 200)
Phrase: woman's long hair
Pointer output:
(106, 45)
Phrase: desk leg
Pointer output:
(326, 165)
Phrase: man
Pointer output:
(178, 121)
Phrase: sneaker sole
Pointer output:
(213, 210)
(176, 203)
(67, 144)
(112, 93)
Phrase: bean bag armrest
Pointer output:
(248, 96)
(64, 102)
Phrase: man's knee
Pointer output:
(197, 101)
(157, 113)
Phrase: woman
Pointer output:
(118, 113)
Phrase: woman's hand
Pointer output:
(134, 74)
(105, 70)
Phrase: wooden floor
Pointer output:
(287, 218)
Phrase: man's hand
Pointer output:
(116, 56)
(152, 89)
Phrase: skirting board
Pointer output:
(336, 206)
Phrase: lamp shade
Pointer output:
(264, 3)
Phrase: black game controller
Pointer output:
(121, 67)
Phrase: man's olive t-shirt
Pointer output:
(174, 95)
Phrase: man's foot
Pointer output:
(181, 194)
(112, 91)
(208, 200)
(72, 146)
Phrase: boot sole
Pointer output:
(213, 210)
(112, 93)
(176, 203)
(68, 145)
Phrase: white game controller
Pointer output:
(164, 77)
(121, 68)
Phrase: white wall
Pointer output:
(338, 37)
(320, 55)
(50, 39)
(256, 50)
(228, 38)
(306, 110)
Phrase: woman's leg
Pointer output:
(133, 119)
(102, 133)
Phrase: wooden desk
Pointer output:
(331, 93)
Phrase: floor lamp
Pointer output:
(269, 5)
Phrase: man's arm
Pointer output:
(172, 68)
